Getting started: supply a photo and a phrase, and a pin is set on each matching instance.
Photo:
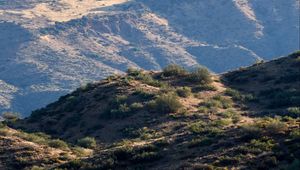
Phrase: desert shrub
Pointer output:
(200, 75)
(121, 112)
(264, 144)
(146, 78)
(294, 111)
(200, 142)
(80, 151)
(203, 109)
(225, 102)
(119, 99)
(136, 106)
(37, 168)
(183, 91)
(218, 102)
(145, 157)
(143, 94)
(266, 125)
(87, 142)
(281, 98)
(4, 132)
(11, 116)
(236, 95)
(39, 138)
(134, 72)
(204, 87)
(203, 128)
(166, 103)
(226, 160)
(295, 134)
(221, 122)
(124, 153)
(56, 143)
(227, 113)
(174, 70)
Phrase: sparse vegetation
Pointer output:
(157, 119)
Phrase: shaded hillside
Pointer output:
(20, 150)
(177, 119)
(50, 47)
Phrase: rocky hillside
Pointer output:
(50, 47)
(179, 119)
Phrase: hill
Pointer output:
(179, 119)
(50, 47)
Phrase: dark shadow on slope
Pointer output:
(267, 88)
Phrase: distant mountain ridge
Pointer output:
(51, 47)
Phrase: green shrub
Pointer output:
(200, 75)
(146, 157)
(295, 134)
(225, 102)
(294, 111)
(136, 106)
(263, 144)
(167, 103)
(227, 113)
(121, 112)
(56, 143)
(183, 91)
(4, 132)
(146, 78)
(218, 102)
(236, 95)
(200, 142)
(119, 99)
(39, 138)
(221, 122)
(134, 72)
(143, 94)
(174, 70)
(87, 142)
(205, 87)
(226, 161)
(10, 116)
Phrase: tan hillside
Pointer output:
(175, 119)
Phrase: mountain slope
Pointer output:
(180, 120)
(51, 47)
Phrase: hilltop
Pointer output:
(179, 119)
(50, 47)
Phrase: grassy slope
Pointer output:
(244, 119)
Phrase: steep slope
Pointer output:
(180, 120)
(51, 47)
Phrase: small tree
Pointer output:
(87, 142)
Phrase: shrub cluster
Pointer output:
(174, 70)
(184, 91)
(200, 75)
(165, 103)
(87, 142)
